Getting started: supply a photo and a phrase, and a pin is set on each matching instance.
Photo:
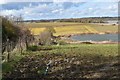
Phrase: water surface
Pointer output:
(96, 37)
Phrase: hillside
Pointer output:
(64, 28)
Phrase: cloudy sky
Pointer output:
(55, 10)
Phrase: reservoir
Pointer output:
(96, 37)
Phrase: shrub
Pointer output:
(87, 43)
(33, 48)
(61, 42)
(46, 37)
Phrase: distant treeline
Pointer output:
(81, 20)
(85, 20)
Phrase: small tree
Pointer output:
(51, 30)
(46, 37)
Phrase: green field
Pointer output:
(63, 28)
(70, 60)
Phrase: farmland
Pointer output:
(59, 39)
(67, 61)
(63, 28)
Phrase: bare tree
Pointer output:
(13, 35)
(46, 37)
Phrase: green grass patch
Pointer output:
(14, 60)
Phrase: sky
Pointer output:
(59, 10)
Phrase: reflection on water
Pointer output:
(96, 37)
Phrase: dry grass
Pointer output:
(104, 28)
(63, 28)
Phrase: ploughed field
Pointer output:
(63, 28)
(65, 61)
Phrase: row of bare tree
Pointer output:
(14, 36)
